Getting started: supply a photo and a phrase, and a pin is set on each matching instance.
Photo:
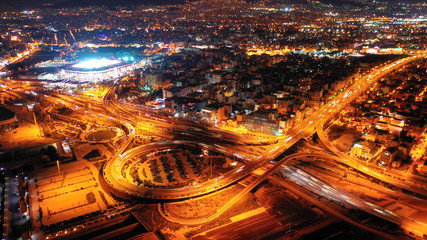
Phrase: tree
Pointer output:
(52, 153)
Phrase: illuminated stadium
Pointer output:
(97, 70)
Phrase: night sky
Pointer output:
(23, 4)
(29, 4)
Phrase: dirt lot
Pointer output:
(342, 137)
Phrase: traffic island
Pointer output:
(173, 170)
(203, 206)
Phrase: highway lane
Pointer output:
(260, 226)
(325, 189)
(358, 181)
(326, 207)
(355, 180)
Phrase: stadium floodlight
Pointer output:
(96, 63)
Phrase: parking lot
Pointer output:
(71, 194)
(174, 168)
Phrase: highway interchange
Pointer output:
(232, 143)
(313, 123)
(302, 130)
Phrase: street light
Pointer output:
(216, 189)
(59, 170)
